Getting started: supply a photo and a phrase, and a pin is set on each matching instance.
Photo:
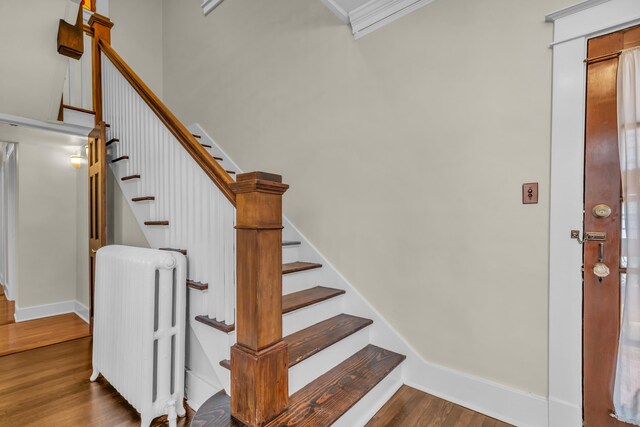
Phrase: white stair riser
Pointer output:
(371, 403)
(310, 369)
(290, 253)
(305, 317)
(294, 282)
(305, 372)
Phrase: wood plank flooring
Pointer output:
(50, 386)
(22, 336)
(7, 309)
(411, 407)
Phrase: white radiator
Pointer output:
(139, 328)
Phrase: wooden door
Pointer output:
(97, 160)
(601, 305)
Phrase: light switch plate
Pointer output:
(530, 193)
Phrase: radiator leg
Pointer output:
(145, 421)
(94, 375)
(181, 410)
(172, 415)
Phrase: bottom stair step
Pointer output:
(321, 402)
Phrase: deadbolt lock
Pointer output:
(601, 211)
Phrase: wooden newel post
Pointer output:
(101, 31)
(259, 363)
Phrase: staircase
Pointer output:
(177, 182)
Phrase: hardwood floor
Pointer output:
(411, 407)
(7, 309)
(50, 386)
(22, 336)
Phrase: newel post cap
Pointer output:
(96, 18)
(259, 182)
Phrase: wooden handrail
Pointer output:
(208, 164)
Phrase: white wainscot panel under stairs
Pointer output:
(176, 204)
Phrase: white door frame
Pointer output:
(573, 26)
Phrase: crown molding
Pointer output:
(378, 13)
(209, 5)
(579, 7)
(337, 10)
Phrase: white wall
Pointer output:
(137, 37)
(31, 70)
(122, 226)
(405, 151)
(48, 213)
(82, 235)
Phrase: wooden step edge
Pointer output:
(182, 251)
(218, 158)
(294, 267)
(197, 285)
(293, 301)
(120, 159)
(206, 145)
(143, 199)
(152, 223)
(130, 177)
(111, 141)
(322, 401)
(196, 136)
(230, 172)
(331, 395)
(221, 326)
(291, 243)
(307, 297)
(312, 340)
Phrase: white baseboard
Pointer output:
(564, 414)
(198, 390)
(81, 310)
(489, 398)
(23, 314)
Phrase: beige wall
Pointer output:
(48, 227)
(137, 37)
(405, 151)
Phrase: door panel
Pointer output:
(601, 305)
(96, 157)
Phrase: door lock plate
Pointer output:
(595, 236)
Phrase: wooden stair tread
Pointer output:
(307, 297)
(216, 324)
(309, 341)
(119, 159)
(218, 158)
(294, 267)
(290, 302)
(143, 199)
(182, 251)
(328, 397)
(290, 243)
(322, 401)
(197, 285)
(130, 177)
(156, 223)
(111, 141)
(206, 145)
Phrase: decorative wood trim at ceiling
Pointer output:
(209, 5)
(378, 13)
